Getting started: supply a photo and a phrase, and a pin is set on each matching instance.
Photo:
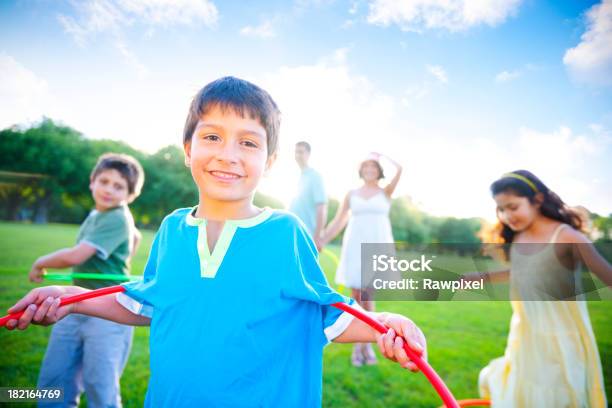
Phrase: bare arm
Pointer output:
(321, 217)
(107, 307)
(360, 332)
(137, 241)
(390, 188)
(41, 306)
(585, 251)
(596, 263)
(338, 223)
(64, 258)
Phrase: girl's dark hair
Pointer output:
(381, 172)
(523, 183)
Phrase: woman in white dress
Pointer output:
(366, 210)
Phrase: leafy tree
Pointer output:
(44, 175)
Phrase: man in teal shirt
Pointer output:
(310, 202)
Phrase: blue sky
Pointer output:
(457, 91)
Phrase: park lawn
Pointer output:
(463, 336)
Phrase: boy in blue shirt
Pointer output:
(238, 306)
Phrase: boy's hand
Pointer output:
(391, 344)
(41, 307)
(36, 273)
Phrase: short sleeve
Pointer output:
(135, 297)
(110, 230)
(318, 190)
(306, 281)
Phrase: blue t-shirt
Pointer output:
(244, 326)
(310, 194)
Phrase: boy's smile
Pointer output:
(227, 155)
(224, 176)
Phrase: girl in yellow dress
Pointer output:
(551, 358)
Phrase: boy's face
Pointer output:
(227, 155)
(109, 189)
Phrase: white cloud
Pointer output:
(423, 89)
(141, 70)
(507, 76)
(264, 30)
(92, 17)
(415, 93)
(460, 169)
(347, 24)
(511, 75)
(438, 72)
(100, 111)
(576, 165)
(18, 80)
(344, 115)
(24, 96)
(452, 15)
(591, 60)
(95, 16)
(562, 146)
(170, 12)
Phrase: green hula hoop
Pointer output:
(65, 277)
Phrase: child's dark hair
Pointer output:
(523, 183)
(243, 98)
(129, 168)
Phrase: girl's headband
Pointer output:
(523, 179)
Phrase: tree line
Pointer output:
(44, 177)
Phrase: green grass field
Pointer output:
(463, 336)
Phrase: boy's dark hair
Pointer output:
(523, 183)
(305, 145)
(243, 98)
(129, 168)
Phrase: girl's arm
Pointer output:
(64, 258)
(338, 223)
(390, 344)
(585, 251)
(390, 188)
(42, 307)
